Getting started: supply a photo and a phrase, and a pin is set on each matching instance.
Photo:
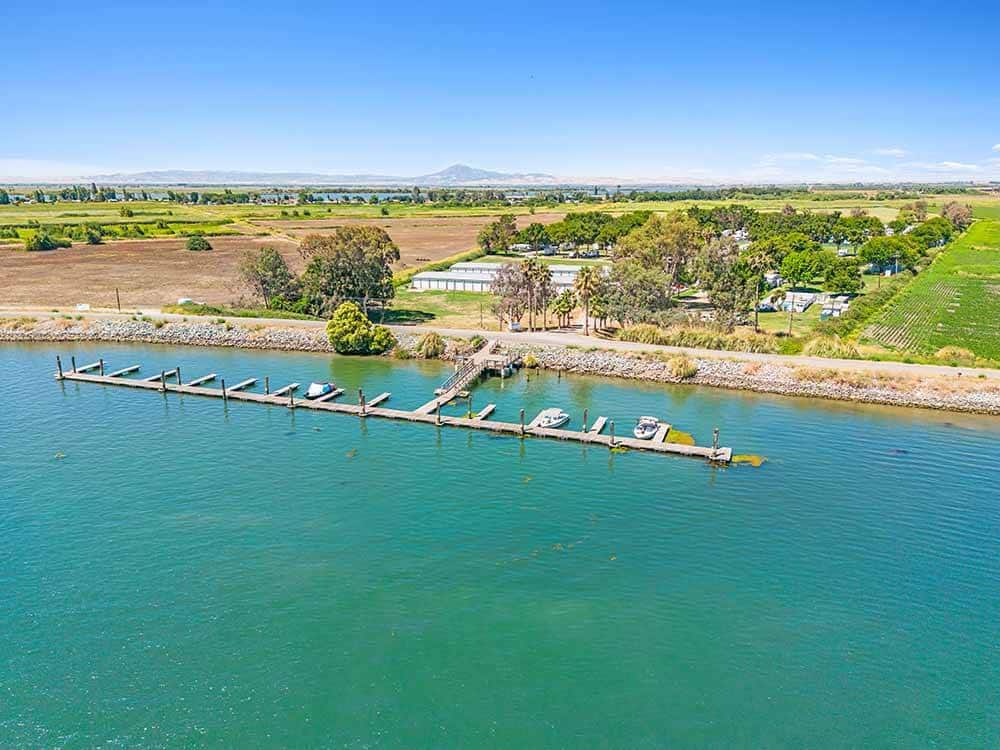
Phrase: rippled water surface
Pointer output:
(178, 574)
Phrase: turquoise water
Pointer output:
(174, 573)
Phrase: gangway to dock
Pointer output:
(467, 373)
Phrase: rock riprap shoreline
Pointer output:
(932, 392)
(935, 392)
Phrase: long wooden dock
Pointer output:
(478, 422)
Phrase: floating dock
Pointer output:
(428, 414)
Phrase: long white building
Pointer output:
(478, 277)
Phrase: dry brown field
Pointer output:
(157, 272)
(146, 272)
(419, 239)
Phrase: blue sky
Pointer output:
(728, 91)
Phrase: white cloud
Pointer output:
(844, 160)
(789, 156)
(997, 147)
(943, 166)
(959, 166)
(898, 153)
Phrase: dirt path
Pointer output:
(562, 338)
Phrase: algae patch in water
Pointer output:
(680, 437)
(752, 460)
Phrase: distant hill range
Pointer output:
(456, 175)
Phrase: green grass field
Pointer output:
(802, 323)
(145, 212)
(955, 302)
(442, 308)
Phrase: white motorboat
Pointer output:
(646, 428)
(552, 418)
(316, 390)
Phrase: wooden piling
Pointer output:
(361, 401)
(611, 442)
(522, 422)
(72, 359)
(163, 381)
(225, 398)
(584, 428)
(179, 381)
(437, 414)
(267, 384)
(59, 366)
(101, 362)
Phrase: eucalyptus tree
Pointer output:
(726, 279)
(666, 242)
(266, 273)
(354, 263)
(510, 289)
(496, 237)
(530, 269)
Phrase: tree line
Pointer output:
(656, 260)
(576, 229)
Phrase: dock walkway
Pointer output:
(720, 455)
(466, 374)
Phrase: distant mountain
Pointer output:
(461, 174)
(454, 176)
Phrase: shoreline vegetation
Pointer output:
(729, 278)
(951, 393)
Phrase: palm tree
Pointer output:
(541, 278)
(586, 285)
(563, 306)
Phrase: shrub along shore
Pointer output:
(962, 394)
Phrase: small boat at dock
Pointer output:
(552, 418)
(316, 390)
(646, 428)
